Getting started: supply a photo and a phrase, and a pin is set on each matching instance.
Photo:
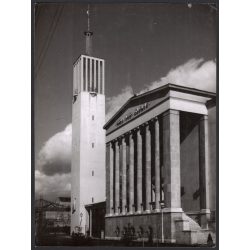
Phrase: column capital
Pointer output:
(203, 117)
(138, 128)
(133, 130)
(114, 140)
(156, 118)
(171, 111)
(130, 132)
(148, 126)
(112, 143)
(123, 136)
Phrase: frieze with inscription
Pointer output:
(131, 115)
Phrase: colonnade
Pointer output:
(121, 167)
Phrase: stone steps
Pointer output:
(189, 232)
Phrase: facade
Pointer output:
(88, 137)
(161, 165)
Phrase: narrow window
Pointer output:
(92, 173)
(93, 117)
(93, 144)
(92, 199)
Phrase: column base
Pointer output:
(109, 215)
(204, 218)
(205, 211)
(172, 210)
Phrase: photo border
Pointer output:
(33, 4)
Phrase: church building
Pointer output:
(154, 171)
(161, 165)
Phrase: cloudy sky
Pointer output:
(144, 46)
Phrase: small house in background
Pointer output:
(52, 217)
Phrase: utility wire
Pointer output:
(52, 29)
(37, 15)
(47, 38)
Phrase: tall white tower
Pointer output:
(88, 136)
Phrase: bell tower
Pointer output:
(88, 135)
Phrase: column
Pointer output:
(117, 174)
(148, 167)
(131, 173)
(157, 165)
(90, 222)
(171, 160)
(139, 170)
(111, 179)
(204, 171)
(95, 88)
(124, 177)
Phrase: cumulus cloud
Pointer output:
(52, 186)
(55, 155)
(115, 102)
(195, 73)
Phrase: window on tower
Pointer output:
(93, 145)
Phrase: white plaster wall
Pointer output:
(75, 163)
(86, 159)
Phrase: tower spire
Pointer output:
(88, 35)
(88, 17)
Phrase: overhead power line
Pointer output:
(51, 32)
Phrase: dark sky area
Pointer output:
(139, 42)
